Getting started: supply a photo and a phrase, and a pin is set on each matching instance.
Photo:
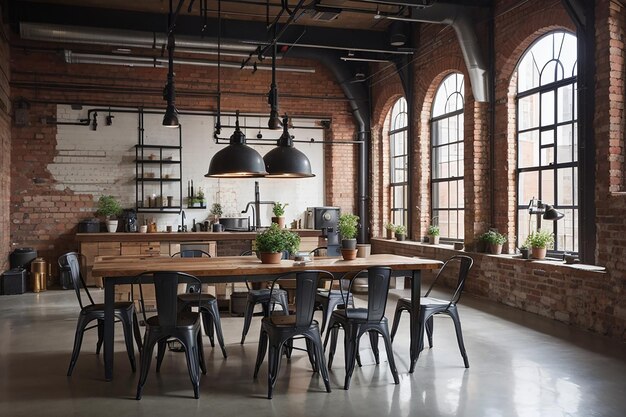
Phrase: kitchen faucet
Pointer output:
(257, 206)
(182, 227)
(251, 206)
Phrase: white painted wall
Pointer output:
(102, 162)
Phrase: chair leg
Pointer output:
(161, 353)
(100, 336)
(193, 361)
(321, 362)
(207, 323)
(201, 353)
(146, 359)
(261, 350)
(326, 313)
(373, 335)
(333, 332)
(247, 320)
(288, 348)
(350, 350)
(78, 341)
(396, 321)
(274, 356)
(137, 331)
(388, 347)
(429, 331)
(454, 313)
(310, 350)
(128, 339)
(214, 313)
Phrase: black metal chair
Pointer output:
(170, 323)
(357, 321)
(280, 330)
(329, 299)
(430, 306)
(207, 303)
(124, 311)
(264, 297)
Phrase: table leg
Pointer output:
(109, 327)
(416, 288)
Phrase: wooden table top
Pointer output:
(124, 266)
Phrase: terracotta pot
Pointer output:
(389, 234)
(271, 257)
(349, 254)
(280, 221)
(434, 240)
(539, 253)
(495, 249)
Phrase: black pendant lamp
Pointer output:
(272, 98)
(285, 161)
(237, 160)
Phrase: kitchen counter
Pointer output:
(179, 236)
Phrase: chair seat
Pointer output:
(353, 314)
(332, 294)
(185, 319)
(265, 293)
(195, 298)
(118, 306)
(283, 321)
(406, 302)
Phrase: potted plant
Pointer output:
(433, 234)
(109, 207)
(524, 249)
(391, 228)
(348, 226)
(400, 231)
(494, 240)
(539, 243)
(272, 242)
(216, 211)
(279, 214)
(199, 199)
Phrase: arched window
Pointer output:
(446, 125)
(398, 127)
(547, 157)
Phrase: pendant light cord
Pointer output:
(218, 123)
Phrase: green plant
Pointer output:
(540, 239)
(390, 226)
(108, 206)
(492, 237)
(275, 239)
(400, 229)
(216, 209)
(347, 225)
(433, 230)
(200, 195)
(279, 209)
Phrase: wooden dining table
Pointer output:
(117, 270)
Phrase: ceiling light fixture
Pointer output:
(285, 161)
(272, 99)
(237, 160)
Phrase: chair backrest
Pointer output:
(306, 288)
(317, 250)
(191, 253)
(378, 279)
(73, 261)
(166, 292)
(464, 263)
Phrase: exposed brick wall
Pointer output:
(45, 217)
(575, 296)
(5, 150)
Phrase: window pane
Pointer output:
(453, 155)
(565, 185)
(528, 186)
(528, 149)
(565, 110)
(528, 112)
(461, 198)
(547, 137)
(440, 162)
(440, 195)
(575, 140)
(453, 193)
(398, 197)
(547, 187)
(547, 156)
(524, 226)
(443, 220)
(547, 108)
(565, 142)
(461, 224)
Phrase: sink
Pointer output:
(238, 224)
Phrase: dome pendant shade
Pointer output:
(285, 161)
(237, 160)
(170, 119)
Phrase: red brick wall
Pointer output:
(5, 150)
(46, 218)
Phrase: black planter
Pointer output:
(348, 244)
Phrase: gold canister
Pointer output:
(38, 268)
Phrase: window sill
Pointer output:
(513, 257)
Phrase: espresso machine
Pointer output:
(326, 219)
(129, 220)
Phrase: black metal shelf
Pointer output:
(166, 209)
(144, 146)
(156, 161)
(196, 208)
(158, 179)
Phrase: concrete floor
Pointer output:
(521, 365)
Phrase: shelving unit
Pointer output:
(159, 165)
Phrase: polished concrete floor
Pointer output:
(520, 365)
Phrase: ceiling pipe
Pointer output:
(460, 18)
(159, 62)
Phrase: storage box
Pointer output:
(89, 226)
(14, 281)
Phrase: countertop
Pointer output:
(179, 236)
